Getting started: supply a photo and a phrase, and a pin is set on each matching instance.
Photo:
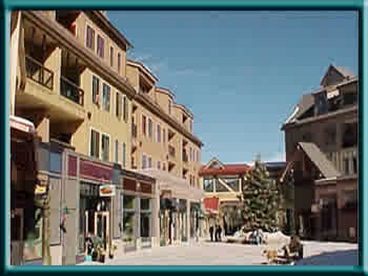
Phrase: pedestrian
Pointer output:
(211, 233)
(219, 232)
(216, 232)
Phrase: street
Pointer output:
(205, 253)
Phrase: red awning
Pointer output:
(211, 204)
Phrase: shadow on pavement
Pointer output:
(343, 257)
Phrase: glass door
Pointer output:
(102, 229)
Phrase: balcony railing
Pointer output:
(171, 151)
(345, 160)
(39, 73)
(71, 91)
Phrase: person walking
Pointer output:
(216, 232)
(211, 233)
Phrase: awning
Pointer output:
(178, 187)
(21, 124)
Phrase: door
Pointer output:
(16, 245)
(102, 228)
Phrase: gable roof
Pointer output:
(342, 71)
(319, 159)
(305, 103)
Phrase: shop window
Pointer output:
(105, 150)
(95, 144)
(106, 97)
(145, 224)
(128, 203)
(55, 162)
(208, 185)
(128, 217)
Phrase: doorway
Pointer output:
(17, 228)
(102, 228)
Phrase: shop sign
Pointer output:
(107, 190)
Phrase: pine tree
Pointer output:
(261, 200)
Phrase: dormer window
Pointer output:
(321, 104)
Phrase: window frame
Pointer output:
(93, 39)
(103, 97)
(100, 52)
(96, 94)
(112, 56)
(98, 145)
(109, 139)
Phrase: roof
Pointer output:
(143, 68)
(319, 159)
(226, 169)
(306, 102)
(342, 71)
(184, 108)
(345, 72)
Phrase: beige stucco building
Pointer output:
(87, 103)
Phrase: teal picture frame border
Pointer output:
(360, 6)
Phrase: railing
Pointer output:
(39, 73)
(71, 91)
(345, 160)
(171, 151)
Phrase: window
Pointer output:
(190, 125)
(125, 109)
(105, 149)
(149, 159)
(145, 217)
(144, 128)
(355, 165)
(119, 62)
(232, 182)
(96, 90)
(55, 162)
(95, 144)
(163, 166)
(129, 217)
(106, 97)
(158, 165)
(118, 105)
(116, 157)
(90, 39)
(124, 155)
(163, 136)
(330, 135)
(208, 185)
(346, 166)
(150, 127)
(100, 46)
(144, 161)
(220, 187)
(350, 98)
(321, 103)
(190, 154)
(158, 133)
(111, 56)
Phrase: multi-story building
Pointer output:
(222, 185)
(322, 156)
(163, 143)
(71, 83)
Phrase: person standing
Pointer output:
(219, 232)
(211, 233)
(216, 232)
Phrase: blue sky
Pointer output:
(240, 72)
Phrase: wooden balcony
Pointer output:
(71, 91)
(345, 160)
(37, 72)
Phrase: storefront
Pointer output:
(25, 223)
(137, 208)
(175, 197)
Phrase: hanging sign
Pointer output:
(107, 190)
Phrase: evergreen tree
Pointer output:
(261, 200)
